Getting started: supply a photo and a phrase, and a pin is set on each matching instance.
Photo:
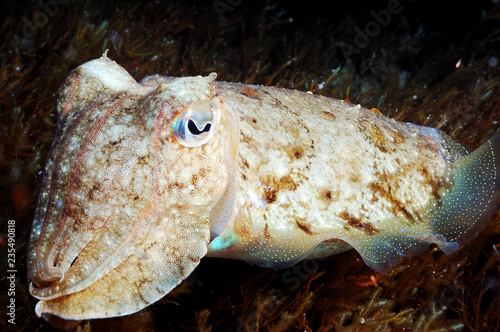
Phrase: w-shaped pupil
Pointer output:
(193, 128)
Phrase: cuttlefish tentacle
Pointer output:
(71, 200)
(112, 251)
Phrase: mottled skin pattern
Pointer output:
(144, 179)
(314, 169)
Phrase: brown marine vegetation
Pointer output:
(410, 71)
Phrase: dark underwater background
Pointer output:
(431, 63)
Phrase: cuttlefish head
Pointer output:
(130, 186)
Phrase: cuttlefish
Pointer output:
(144, 179)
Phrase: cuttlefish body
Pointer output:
(144, 179)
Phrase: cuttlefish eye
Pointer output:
(195, 126)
